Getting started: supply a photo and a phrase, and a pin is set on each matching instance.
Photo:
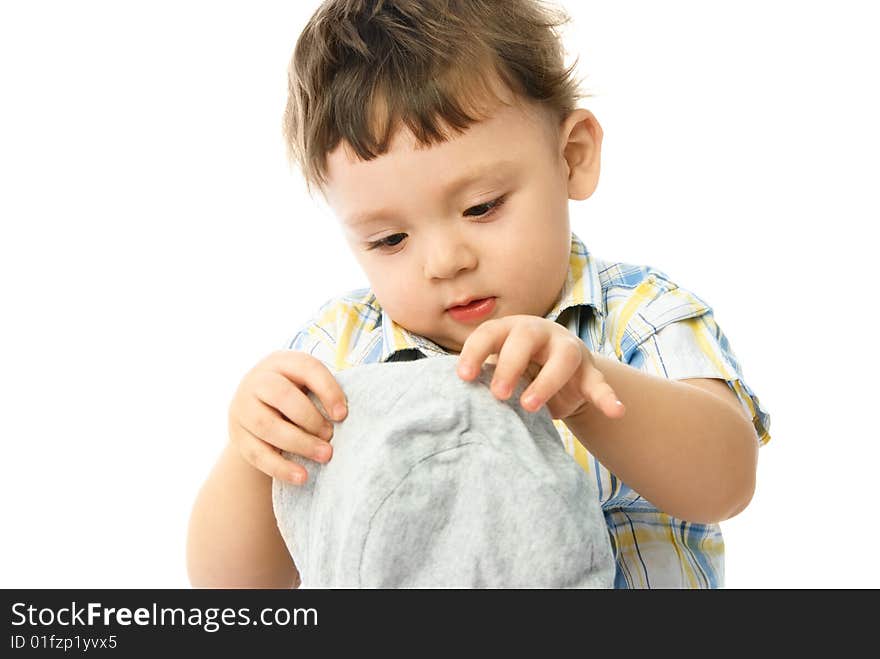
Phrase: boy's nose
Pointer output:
(448, 257)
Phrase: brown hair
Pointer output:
(361, 67)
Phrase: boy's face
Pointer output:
(483, 216)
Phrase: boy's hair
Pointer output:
(361, 67)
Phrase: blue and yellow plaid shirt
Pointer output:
(634, 314)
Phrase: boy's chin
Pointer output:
(451, 346)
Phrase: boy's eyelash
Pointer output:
(383, 242)
(492, 206)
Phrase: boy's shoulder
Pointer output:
(614, 275)
(355, 308)
(361, 302)
(346, 329)
(640, 300)
(617, 280)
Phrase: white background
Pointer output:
(155, 245)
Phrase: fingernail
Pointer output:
(531, 402)
(465, 370)
(327, 432)
(322, 452)
(339, 411)
(297, 478)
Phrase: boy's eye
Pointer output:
(485, 209)
(389, 241)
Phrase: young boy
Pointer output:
(446, 137)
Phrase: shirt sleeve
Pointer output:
(671, 332)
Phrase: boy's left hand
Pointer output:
(565, 375)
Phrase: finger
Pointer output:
(523, 341)
(277, 391)
(563, 362)
(267, 459)
(484, 341)
(305, 370)
(601, 394)
(267, 424)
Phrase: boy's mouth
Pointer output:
(472, 310)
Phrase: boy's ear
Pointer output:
(581, 145)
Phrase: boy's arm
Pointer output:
(687, 451)
(233, 539)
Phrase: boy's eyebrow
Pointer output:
(491, 170)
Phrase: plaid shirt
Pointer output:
(632, 313)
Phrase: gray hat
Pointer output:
(434, 483)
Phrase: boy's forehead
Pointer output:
(509, 135)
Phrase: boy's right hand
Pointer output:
(271, 411)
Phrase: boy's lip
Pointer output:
(466, 301)
(477, 310)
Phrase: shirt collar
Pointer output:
(582, 288)
(396, 338)
(582, 284)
